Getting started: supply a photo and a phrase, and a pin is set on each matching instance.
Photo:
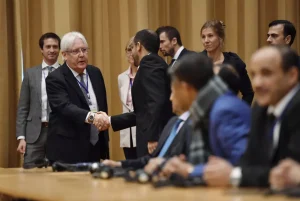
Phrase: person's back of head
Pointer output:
(195, 69)
(230, 76)
(288, 29)
(148, 39)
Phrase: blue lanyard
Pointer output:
(130, 82)
(86, 89)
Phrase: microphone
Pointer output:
(40, 163)
(78, 167)
(99, 170)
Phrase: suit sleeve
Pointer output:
(155, 86)
(23, 106)
(232, 133)
(59, 100)
(246, 87)
(122, 121)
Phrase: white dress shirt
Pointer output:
(45, 72)
(277, 111)
(177, 55)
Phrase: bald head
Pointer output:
(274, 73)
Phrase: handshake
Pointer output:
(101, 121)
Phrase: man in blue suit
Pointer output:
(226, 118)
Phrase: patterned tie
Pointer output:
(50, 69)
(170, 138)
(94, 131)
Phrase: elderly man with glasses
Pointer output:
(76, 92)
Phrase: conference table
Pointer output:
(43, 184)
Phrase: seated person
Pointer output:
(275, 126)
(229, 117)
(285, 175)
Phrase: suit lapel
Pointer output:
(73, 82)
(38, 78)
(94, 78)
(124, 89)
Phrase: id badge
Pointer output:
(93, 108)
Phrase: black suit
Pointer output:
(183, 52)
(68, 134)
(152, 107)
(178, 146)
(257, 162)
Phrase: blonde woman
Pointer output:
(125, 81)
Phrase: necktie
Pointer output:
(270, 124)
(50, 69)
(83, 88)
(94, 131)
(170, 138)
(173, 61)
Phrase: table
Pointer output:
(42, 184)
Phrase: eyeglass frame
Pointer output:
(78, 51)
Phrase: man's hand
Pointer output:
(112, 163)
(284, 175)
(22, 146)
(101, 121)
(177, 165)
(217, 172)
(151, 147)
(153, 165)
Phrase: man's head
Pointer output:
(145, 41)
(281, 32)
(274, 73)
(74, 49)
(189, 75)
(170, 40)
(50, 45)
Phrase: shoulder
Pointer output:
(123, 75)
(34, 68)
(230, 104)
(154, 60)
(234, 59)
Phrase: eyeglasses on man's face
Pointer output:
(77, 51)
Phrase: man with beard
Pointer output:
(170, 43)
(33, 108)
(150, 95)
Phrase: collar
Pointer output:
(178, 52)
(44, 65)
(129, 73)
(184, 116)
(278, 109)
(74, 72)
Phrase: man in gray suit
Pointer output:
(33, 108)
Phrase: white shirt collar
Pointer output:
(278, 109)
(75, 73)
(44, 65)
(178, 52)
(184, 116)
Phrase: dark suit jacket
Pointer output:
(256, 162)
(68, 134)
(177, 147)
(240, 67)
(152, 107)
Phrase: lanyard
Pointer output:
(86, 89)
(130, 82)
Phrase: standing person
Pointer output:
(125, 82)
(213, 35)
(33, 109)
(150, 95)
(76, 92)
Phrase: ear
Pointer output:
(41, 51)
(64, 56)
(293, 75)
(138, 46)
(288, 39)
(174, 41)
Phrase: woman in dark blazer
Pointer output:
(213, 35)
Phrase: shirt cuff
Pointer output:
(236, 176)
(21, 138)
(198, 171)
(86, 119)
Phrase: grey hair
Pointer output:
(68, 39)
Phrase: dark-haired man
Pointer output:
(150, 94)
(170, 43)
(33, 108)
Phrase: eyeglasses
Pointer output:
(77, 51)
